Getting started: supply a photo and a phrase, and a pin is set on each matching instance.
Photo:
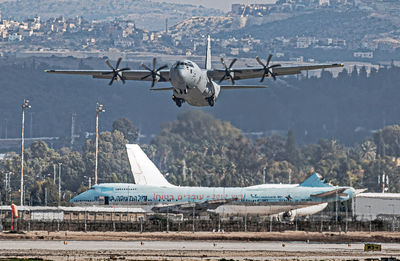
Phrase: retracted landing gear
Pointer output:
(211, 100)
(178, 101)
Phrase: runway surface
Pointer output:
(189, 250)
(188, 245)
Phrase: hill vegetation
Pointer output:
(348, 108)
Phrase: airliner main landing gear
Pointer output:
(211, 100)
(178, 101)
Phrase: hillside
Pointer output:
(148, 15)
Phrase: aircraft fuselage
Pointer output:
(274, 197)
(192, 85)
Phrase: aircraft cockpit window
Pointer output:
(189, 64)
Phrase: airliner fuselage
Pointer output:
(267, 198)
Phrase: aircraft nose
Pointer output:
(181, 73)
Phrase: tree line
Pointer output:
(198, 149)
(348, 107)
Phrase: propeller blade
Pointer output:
(145, 77)
(275, 65)
(122, 78)
(233, 81)
(260, 62)
(154, 63)
(111, 82)
(146, 67)
(162, 67)
(109, 64)
(223, 78)
(262, 78)
(153, 82)
(223, 63)
(232, 63)
(269, 59)
(118, 62)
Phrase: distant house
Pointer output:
(364, 55)
(324, 2)
(15, 37)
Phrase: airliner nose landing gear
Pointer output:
(178, 101)
(211, 100)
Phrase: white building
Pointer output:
(367, 55)
(369, 206)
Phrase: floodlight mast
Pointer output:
(25, 105)
(99, 109)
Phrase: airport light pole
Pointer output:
(25, 105)
(59, 183)
(264, 175)
(99, 109)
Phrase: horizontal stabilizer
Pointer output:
(335, 192)
(359, 191)
(315, 180)
(234, 87)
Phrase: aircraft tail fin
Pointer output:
(143, 169)
(208, 54)
(315, 180)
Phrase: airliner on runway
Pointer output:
(154, 193)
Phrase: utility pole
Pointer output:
(99, 109)
(59, 183)
(6, 134)
(54, 173)
(6, 186)
(264, 175)
(72, 130)
(25, 105)
(45, 196)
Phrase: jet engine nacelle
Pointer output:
(301, 212)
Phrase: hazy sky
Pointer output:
(220, 4)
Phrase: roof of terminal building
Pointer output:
(379, 195)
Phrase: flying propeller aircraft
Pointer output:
(192, 84)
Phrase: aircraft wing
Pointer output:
(136, 75)
(235, 87)
(223, 87)
(249, 73)
(188, 207)
(331, 193)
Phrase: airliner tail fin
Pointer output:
(143, 169)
